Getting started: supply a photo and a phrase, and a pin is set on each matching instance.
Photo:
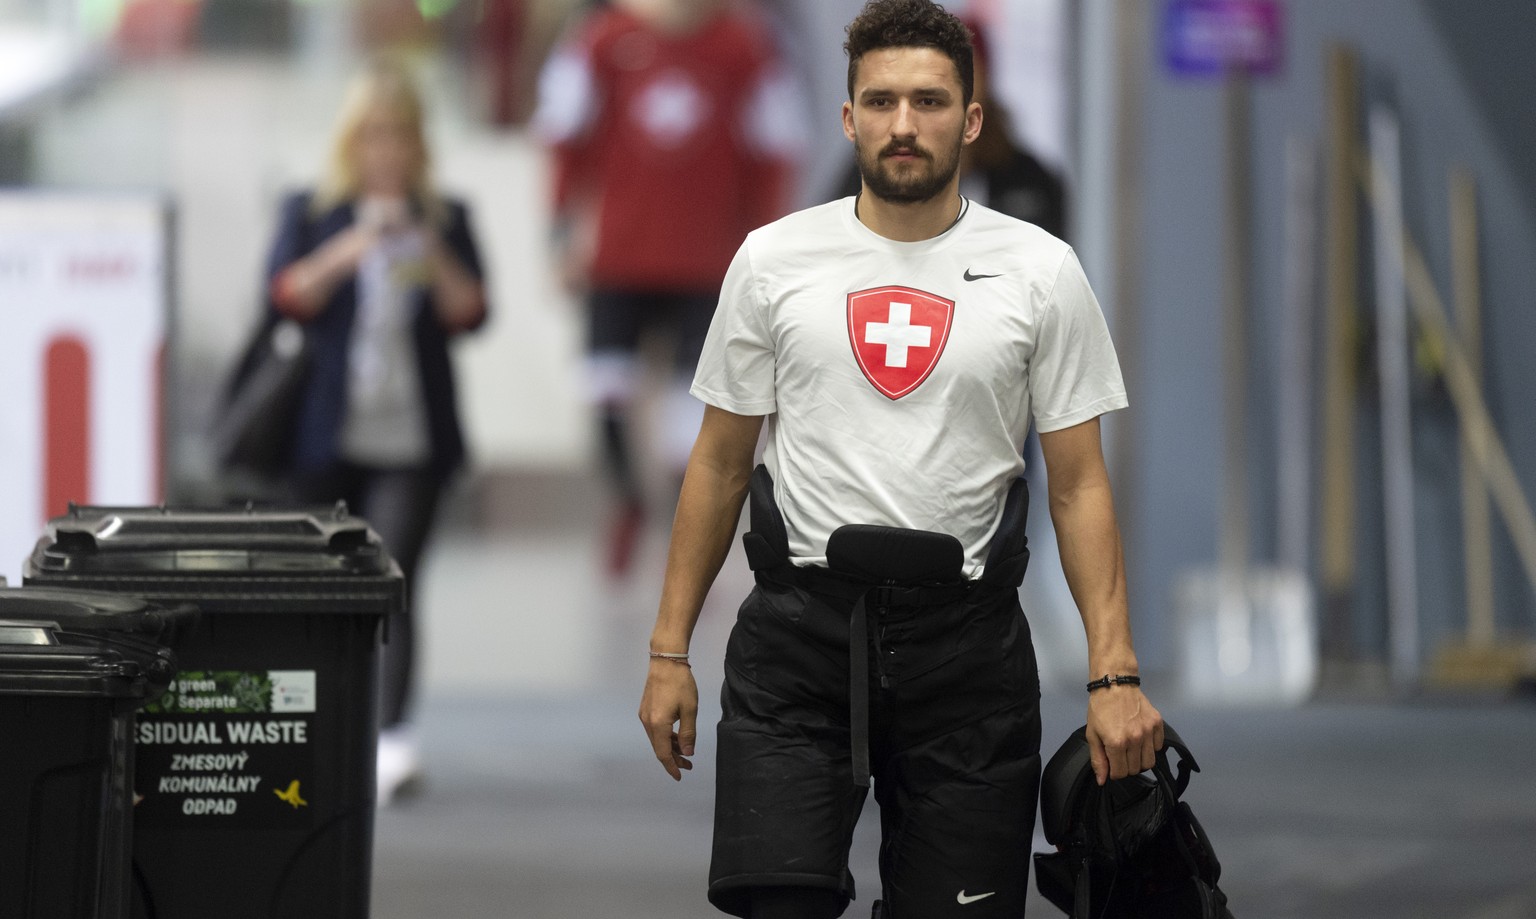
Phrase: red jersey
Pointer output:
(680, 140)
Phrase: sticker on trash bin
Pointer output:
(293, 690)
(229, 746)
(232, 692)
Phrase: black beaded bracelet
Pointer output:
(1107, 681)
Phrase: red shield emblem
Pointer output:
(897, 335)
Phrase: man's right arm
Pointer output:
(714, 487)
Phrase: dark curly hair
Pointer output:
(910, 24)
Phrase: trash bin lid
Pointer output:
(247, 560)
(90, 611)
(85, 643)
(222, 543)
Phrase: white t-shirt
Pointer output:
(900, 379)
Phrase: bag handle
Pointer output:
(1187, 764)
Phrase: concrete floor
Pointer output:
(542, 799)
(555, 808)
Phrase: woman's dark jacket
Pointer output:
(316, 442)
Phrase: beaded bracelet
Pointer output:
(1107, 681)
(671, 656)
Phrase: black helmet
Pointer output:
(1129, 849)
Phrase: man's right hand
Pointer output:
(708, 507)
(671, 699)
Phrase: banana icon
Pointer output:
(291, 795)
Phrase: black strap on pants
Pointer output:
(886, 567)
(863, 595)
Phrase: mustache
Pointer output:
(895, 148)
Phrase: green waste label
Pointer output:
(231, 746)
(237, 692)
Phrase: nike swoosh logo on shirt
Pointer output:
(977, 277)
(962, 899)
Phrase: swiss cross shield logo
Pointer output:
(898, 335)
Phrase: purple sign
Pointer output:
(1203, 37)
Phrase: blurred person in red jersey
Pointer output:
(673, 129)
(383, 272)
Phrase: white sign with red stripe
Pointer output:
(83, 306)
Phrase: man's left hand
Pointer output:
(1124, 732)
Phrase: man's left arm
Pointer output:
(1124, 730)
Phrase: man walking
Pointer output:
(900, 343)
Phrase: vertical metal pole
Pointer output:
(1339, 375)
(1294, 440)
(1475, 516)
(1392, 346)
(1106, 212)
(1130, 81)
(1234, 550)
(1233, 613)
(1093, 199)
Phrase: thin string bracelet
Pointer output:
(673, 656)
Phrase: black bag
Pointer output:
(254, 429)
(1129, 849)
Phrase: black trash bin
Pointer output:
(74, 666)
(256, 769)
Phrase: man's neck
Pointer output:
(910, 222)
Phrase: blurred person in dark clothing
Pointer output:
(672, 127)
(383, 272)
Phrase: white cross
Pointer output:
(898, 334)
(671, 108)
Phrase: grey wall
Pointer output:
(1449, 68)
(1492, 53)
(812, 38)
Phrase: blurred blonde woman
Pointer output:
(383, 272)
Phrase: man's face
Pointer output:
(908, 121)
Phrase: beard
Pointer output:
(912, 183)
